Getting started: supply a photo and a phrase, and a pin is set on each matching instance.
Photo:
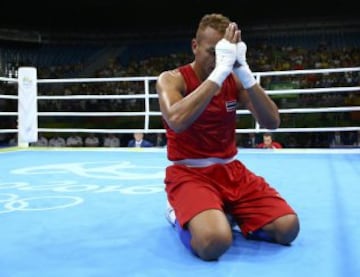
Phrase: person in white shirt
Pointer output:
(57, 141)
(111, 141)
(41, 142)
(92, 141)
(74, 141)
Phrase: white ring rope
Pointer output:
(299, 110)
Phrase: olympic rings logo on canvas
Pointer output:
(99, 170)
(20, 196)
(10, 202)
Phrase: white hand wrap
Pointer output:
(225, 52)
(243, 72)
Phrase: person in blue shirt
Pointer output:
(139, 141)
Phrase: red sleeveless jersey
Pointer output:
(212, 134)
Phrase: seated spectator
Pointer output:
(74, 140)
(13, 141)
(160, 140)
(111, 141)
(354, 138)
(139, 141)
(342, 139)
(268, 142)
(250, 141)
(57, 141)
(336, 139)
(91, 140)
(41, 142)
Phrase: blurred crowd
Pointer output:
(261, 57)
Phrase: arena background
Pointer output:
(150, 28)
(144, 16)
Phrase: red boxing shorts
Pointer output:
(230, 187)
